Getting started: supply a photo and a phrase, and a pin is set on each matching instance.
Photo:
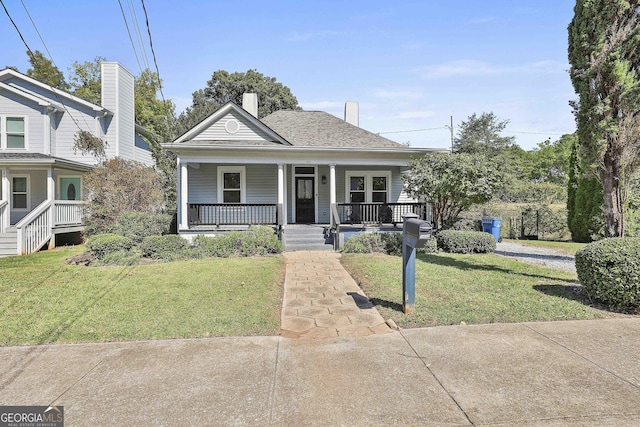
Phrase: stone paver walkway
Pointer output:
(321, 300)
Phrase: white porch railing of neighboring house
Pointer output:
(68, 212)
(4, 212)
(36, 229)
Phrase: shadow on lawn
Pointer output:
(445, 261)
(386, 304)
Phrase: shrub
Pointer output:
(465, 242)
(431, 247)
(609, 271)
(258, 240)
(168, 248)
(391, 243)
(120, 258)
(102, 245)
(364, 243)
(138, 225)
(118, 186)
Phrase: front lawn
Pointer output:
(44, 300)
(453, 289)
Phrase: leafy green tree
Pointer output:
(43, 70)
(85, 81)
(452, 183)
(481, 135)
(156, 117)
(224, 87)
(604, 53)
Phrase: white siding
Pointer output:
(218, 130)
(14, 105)
(262, 183)
(118, 97)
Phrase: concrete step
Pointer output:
(9, 242)
(307, 238)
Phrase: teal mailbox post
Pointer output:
(415, 234)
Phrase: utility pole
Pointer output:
(451, 129)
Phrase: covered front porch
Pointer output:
(38, 200)
(217, 197)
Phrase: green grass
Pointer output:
(568, 248)
(43, 300)
(454, 289)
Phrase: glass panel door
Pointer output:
(70, 188)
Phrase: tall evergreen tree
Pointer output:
(604, 53)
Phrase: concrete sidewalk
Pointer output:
(576, 373)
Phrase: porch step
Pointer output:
(9, 242)
(314, 237)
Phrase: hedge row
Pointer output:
(447, 240)
(115, 249)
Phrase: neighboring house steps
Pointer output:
(9, 242)
(312, 237)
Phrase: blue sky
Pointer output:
(410, 65)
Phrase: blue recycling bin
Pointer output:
(492, 225)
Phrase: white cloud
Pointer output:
(465, 67)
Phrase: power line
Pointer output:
(136, 26)
(33, 58)
(135, 52)
(155, 62)
(412, 130)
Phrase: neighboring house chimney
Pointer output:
(351, 113)
(250, 103)
(117, 97)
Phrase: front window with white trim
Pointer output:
(20, 193)
(231, 184)
(368, 186)
(13, 134)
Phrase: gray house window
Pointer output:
(15, 132)
(231, 184)
(20, 193)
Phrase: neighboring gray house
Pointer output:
(41, 174)
(291, 167)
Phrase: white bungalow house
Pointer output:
(287, 169)
(41, 174)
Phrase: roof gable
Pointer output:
(231, 124)
(41, 90)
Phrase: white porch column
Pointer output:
(51, 184)
(183, 196)
(5, 219)
(281, 192)
(332, 184)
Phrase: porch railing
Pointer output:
(378, 213)
(68, 212)
(35, 229)
(233, 214)
(4, 215)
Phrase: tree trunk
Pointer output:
(612, 189)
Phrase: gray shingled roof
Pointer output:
(320, 129)
(21, 156)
